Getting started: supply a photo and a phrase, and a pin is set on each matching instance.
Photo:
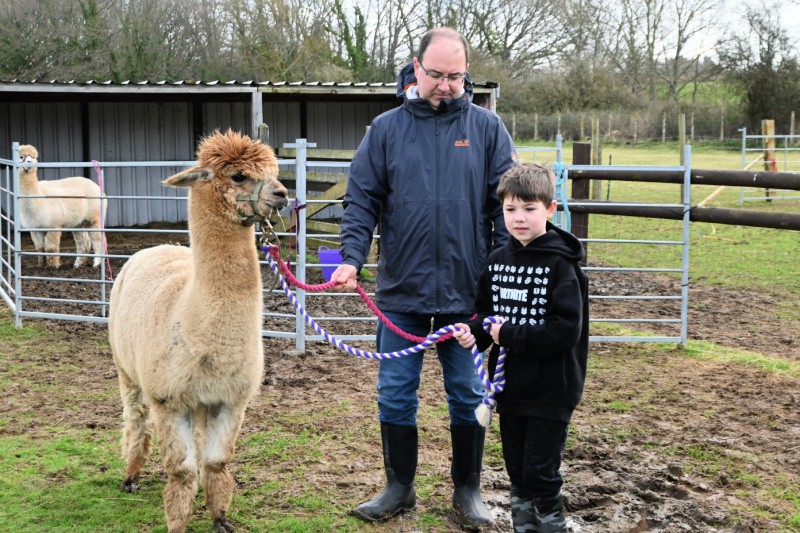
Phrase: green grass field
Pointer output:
(726, 255)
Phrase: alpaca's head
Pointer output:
(28, 154)
(242, 172)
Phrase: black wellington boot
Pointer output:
(466, 472)
(523, 511)
(400, 462)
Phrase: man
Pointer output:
(429, 171)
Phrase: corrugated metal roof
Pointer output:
(198, 83)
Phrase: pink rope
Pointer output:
(275, 252)
(102, 222)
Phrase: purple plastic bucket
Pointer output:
(328, 256)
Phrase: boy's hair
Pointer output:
(529, 182)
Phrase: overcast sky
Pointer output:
(731, 19)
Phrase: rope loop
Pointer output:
(273, 253)
(484, 411)
(430, 340)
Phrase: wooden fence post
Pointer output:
(768, 128)
(581, 155)
(597, 156)
(263, 134)
(664, 127)
(722, 125)
(535, 126)
(635, 126)
(791, 127)
(514, 127)
(682, 143)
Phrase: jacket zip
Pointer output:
(437, 255)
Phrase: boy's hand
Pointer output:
(495, 332)
(464, 336)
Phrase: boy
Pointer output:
(536, 287)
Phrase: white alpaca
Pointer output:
(185, 329)
(80, 211)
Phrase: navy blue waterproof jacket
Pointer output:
(430, 177)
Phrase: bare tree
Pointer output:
(688, 21)
(633, 46)
(281, 39)
(761, 58)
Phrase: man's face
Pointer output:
(443, 58)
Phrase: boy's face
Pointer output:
(526, 220)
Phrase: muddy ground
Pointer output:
(645, 416)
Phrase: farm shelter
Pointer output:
(70, 121)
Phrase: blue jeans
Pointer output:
(398, 379)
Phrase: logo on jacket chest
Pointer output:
(465, 142)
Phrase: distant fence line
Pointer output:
(652, 124)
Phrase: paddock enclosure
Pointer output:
(651, 303)
(662, 441)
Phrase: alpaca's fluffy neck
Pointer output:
(28, 182)
(223, 252)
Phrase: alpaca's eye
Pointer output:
(239, 178)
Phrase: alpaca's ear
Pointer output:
(189, 176)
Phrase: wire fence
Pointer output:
(654, 124)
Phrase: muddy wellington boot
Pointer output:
(523, 511)
(400, 462)
(550, 516)
(466, 472)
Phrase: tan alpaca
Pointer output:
(80, 212)
(185, 329)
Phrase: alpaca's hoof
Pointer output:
(221, 525)
(129, 485)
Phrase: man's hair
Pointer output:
(444, 33)
(529, 182)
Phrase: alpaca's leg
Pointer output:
(52, 245)
(222, 427)
(176, 444)
(137, 435)
(82, 244)
(38, 243)
(97, 246)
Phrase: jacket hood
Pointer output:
(406, 78)
(555, 241)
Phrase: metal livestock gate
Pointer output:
(11, 252)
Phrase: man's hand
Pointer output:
(464, 335)
(345, 277)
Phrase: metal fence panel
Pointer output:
(127, 187)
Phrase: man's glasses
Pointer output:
(455, 79)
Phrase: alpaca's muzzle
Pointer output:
(253, 198)
(28, 159)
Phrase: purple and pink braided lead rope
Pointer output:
(483, 412)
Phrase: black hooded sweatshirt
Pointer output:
(542, 292)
